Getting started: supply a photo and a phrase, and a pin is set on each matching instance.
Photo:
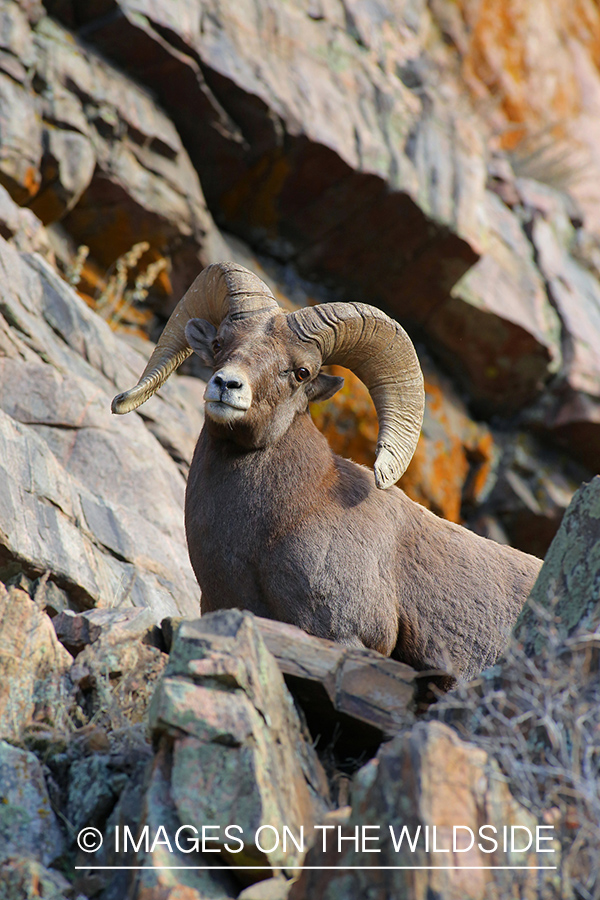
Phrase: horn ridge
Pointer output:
(378, 350)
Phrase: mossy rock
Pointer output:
(567, 592)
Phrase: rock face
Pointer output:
(70, 503)
(438, 790)
(31, 662)
(568, 588)
(421, 156)
(239, 756)
(27, 821)
(383, 145)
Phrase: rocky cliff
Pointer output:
(437, 159)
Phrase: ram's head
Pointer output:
(267, 363)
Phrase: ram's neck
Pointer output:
(291, 474)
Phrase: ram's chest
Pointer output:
(226, 537)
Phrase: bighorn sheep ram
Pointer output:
(280, 525)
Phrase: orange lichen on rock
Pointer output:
(454, 456)
(31, 181)
(518, 51)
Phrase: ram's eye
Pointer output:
(216, 345)
(302, 374)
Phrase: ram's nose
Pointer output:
(229, 387)
(226, 381)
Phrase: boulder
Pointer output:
(427, 792)
(69, 501)
(32, 664)
(27, 821)
(352, 699)
(240, 755)
(76, 630)
(567, 592)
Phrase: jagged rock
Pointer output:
(313, 129)
(116, 680)
(82, 143)
(567, 589)
(93, 790)
(531, 488)
(69, 497)
(352, 699)
(22, 227)
(498, 332)
(23, 878)
(428, 778)
(27, 821)
(32, 662)
(224, 708)
(20, 127)
(76, 630)
(572, 410)
(159, 809)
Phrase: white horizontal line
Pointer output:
(318, 868)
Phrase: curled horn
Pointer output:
(380, 352)
(223, 289)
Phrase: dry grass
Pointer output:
(540, 719)
(124, 287)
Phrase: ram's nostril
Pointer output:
(227, 381)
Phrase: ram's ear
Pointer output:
(200, 335)
(323, 387)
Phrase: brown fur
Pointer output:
(280, 525)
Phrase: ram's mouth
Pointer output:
(223, 411)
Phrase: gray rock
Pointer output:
(117, 170)
(425, 778)
(224, 705)
(32, 664)
(70, 501)
(77, 630)
(20, 127)
(22, 227)
(567, 591)
(158, 809)
(27, 821)
(498, 332)
(572, 410)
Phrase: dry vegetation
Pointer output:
(540, 719)
(121, 291)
